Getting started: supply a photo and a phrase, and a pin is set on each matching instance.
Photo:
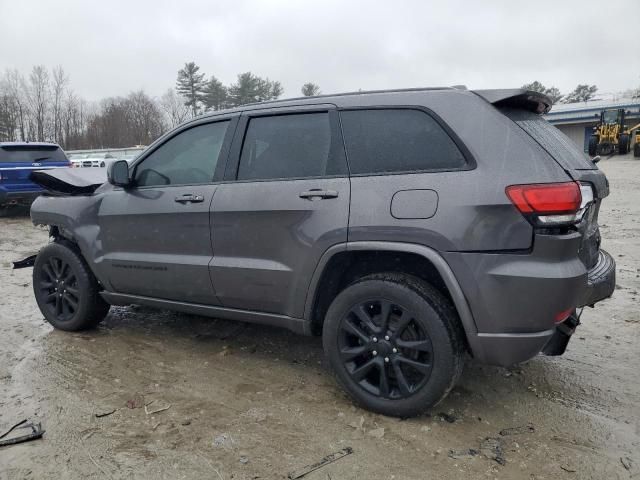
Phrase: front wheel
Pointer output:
(66, 290)
(394, 344)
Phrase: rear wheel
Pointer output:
(593, 145)
(623, 144)
(636, 149)
(66, 290)
(394, 344)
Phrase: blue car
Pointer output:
(17, 161)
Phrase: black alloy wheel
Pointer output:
(384, 349)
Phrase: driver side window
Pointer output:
(188, 158)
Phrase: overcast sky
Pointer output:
(112, 47)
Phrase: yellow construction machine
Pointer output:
(611, 135)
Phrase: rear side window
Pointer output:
(188, 158)
(556, 143)
(31, 154)
(397, 140)
(286, 146)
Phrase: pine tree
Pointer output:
(310, 89)
(190, 84)
(214, 94)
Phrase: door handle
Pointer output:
(189, 198)
(318, 194)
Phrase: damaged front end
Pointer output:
(68, 206)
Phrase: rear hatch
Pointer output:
(578, 166)
(17, 161)
(525, 109)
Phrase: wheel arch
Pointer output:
(342, 263)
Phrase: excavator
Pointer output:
(611, 135)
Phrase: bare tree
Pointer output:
(39, 91)
(60, 82)
(15, 87)
(174, 108)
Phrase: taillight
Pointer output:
(550, 204)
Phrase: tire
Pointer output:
(623, 144)
(636, 150)
(605, 149)
(593, 145)
(79, 306)
(358, 351)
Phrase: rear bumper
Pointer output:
(601, 280)
(18, 197)
(515, 298)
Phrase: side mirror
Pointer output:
(118, 173)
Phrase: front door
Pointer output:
(285, 202)
(156, 235)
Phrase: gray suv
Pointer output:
(408, 228)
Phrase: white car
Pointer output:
(91, 160)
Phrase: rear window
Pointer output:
(31, 154)
(556, 143)
(397, 140)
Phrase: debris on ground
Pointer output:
(517, 430)
(376, 432)
(244, 460)
(157, 410)
(627, 463)
(447, 417)
(36, 432)
(490, 448)
(324, 461)
(358, 425)
(223, 440)
(104, 413)
(567, 469)
(136, 402)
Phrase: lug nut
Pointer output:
(386, 359)
(374, 353)
(386, 337)
(395, 350)
(375, 339)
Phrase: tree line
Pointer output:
(42, 106)
(582, 93)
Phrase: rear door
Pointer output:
(285, 201)
(156, 236)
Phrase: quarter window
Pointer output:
(397, 140)
(286, 146)
(188, 158)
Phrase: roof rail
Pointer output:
(359, 92)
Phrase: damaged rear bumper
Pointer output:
(601, 280)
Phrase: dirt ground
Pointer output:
(249, 402)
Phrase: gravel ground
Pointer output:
(249, 402)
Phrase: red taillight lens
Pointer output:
(563, 315)
(546, 198)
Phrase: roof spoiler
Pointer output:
(517, 98)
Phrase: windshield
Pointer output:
(31, 154)
(610, 116)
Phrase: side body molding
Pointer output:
(430, 254)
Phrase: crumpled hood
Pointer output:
(70, 181)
